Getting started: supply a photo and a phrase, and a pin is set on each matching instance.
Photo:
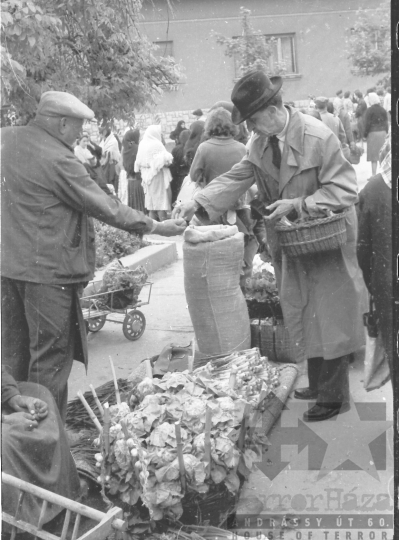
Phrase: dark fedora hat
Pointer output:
(251, 93)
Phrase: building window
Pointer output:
(283, 57)
(165, 48)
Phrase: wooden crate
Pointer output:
(105, 521)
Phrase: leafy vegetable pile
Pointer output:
(117, 277)
(114, 243)
(262, 287)
(211, 441)
(253, 374)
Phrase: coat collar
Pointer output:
(293, 150)
(38, 123)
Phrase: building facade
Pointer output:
(310, 38)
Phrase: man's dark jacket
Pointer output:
(47, 198)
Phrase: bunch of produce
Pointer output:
(114, 243)
(117, 277)
(262, 287)
(177, 439)
(245, 372)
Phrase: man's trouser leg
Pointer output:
(333, 390)
(334, 383)
(314, 369)
(49, 313)
(15, 352)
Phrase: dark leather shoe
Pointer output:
(318, 413)
(305, 393)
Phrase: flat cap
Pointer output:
(197, 112)
(321, 101)
(63, 104)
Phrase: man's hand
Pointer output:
(282, 208)
(185, 211)
(36, 407)
(352, 146)
(25, 420)
(170, 227)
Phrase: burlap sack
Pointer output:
(216, 304)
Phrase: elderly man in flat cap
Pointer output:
(48, 242)
(299, 169)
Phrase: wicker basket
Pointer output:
(273, 341)
(262, 310)
(314, 236)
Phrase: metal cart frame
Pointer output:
(98, 312)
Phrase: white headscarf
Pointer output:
(373, 99)
(110, 149)
(152, 156)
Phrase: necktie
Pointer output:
(276, 151)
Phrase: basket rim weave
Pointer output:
(311, 223)
(292, 243)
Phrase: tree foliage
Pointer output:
(369, 46)
(252, 50)
(91, 48)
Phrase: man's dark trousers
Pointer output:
(39, 329)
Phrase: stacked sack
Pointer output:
(213, 260)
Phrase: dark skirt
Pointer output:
(40, 457)
(375, 141)
(135, 194)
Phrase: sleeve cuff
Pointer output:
(154, 226)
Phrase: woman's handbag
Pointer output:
(376, 366)
(370, 320)
(355, 155)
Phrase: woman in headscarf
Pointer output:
(194, 140)
(110, 157)
(179, 167)
(135, 193)
(375, 129)
(181, 126)
(153, 161)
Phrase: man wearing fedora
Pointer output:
(48, 250)
(299, 168)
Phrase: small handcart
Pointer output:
(104, 306)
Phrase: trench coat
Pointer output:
(323, 296)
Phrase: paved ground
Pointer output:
(295, 481)
(168, 321)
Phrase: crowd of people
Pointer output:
(354, 119)
(249, 162)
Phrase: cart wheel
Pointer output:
(134, 325)
(94, 325)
